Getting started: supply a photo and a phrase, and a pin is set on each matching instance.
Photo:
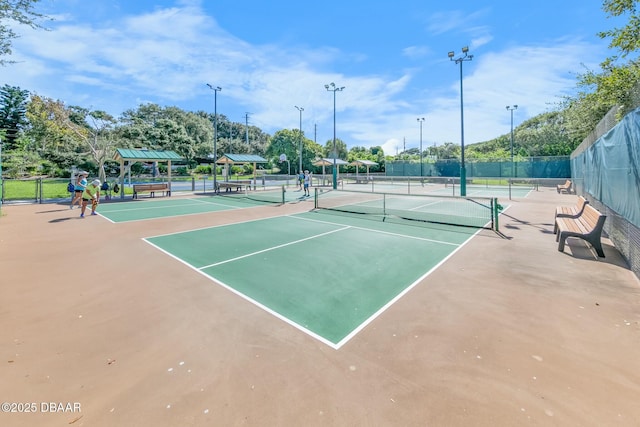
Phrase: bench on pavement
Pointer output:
(229, 186)
(570, 211)
(588, 227)
(151, 188)
(363, 179)
(564, 188)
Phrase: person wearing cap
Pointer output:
(91, 194)
(79, 186)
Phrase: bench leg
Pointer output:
(560, 238)
(597, 245)
(592, 240)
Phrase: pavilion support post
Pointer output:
(169, 175)
(122, 172)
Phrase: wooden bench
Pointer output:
(588, 226)
(570, 211)
(151, 189)
(564, 188)
(229, 186)
(363, 179)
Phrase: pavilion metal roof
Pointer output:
(241, 158)
(363, 163)
(146, 155)
(329, 162)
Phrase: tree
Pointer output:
(285, 142)
(13, 108)
(374, 154)
(151, 126)
(616, 84)
(18, 11)
(627, 38)
(95, 129)
(47, 126)
(341, 149)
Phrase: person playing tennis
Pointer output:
(307, 181)
(91, 194)
(79, 186)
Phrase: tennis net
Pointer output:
(476, 212)
(273, 194)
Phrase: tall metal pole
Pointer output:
(300, 109)
(331, 87)
(463, 170)
(246, 122)
(511, 108)
(421, 120)
(215, 90)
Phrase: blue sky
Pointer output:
(269, 57)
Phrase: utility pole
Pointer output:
(246, 120)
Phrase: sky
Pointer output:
(269, 57)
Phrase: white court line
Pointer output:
(251, 300)
(375, 315)
(378, 231)
(335, 346)
(215, 226)
(274, 247)
(172, 206)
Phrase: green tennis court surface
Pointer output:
(328, 275)
(172, 206)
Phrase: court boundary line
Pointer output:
(248, 299)
(186, 214)
(294, 242)
(360, 327)
(215, 226)
(384, 308)
(377, 231)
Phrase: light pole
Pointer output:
(246, 129)
(511, 108)
(463, 171)
(300, 109)
(215, 90)
(421, 120)
(331, 87)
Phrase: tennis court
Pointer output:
(269, 304)
(513, 190)
(327, 275)
(479, 190)
(151, 208)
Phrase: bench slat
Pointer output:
(570, 211)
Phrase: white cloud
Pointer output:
(142, 58)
